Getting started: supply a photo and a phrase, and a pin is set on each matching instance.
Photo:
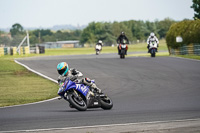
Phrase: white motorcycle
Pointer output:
(153, 46)
(98, 49)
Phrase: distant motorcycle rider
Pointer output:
(74, 75)
(120, 40)
(150, 39)
(100, 43)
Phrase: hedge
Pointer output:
(189, 30)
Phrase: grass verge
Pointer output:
(20, 86)
(189, 56)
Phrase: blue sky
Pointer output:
(47, 13)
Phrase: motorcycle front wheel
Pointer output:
(106, 103)
(77, 102)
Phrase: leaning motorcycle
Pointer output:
(81, 97)
(98, 49)
(123, 47)
(153, 48)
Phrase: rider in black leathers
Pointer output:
(120, 39)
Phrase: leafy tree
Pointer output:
(42, 32)
(33, 39)
(163, 26)
(48, 38)
(150, 27)
(16, 29)
(189, 30)
(196, 7)
(16, 40)
(5, 40)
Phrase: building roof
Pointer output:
(63, 42)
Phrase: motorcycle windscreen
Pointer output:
(82, 89)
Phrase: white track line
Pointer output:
(38, 74)
(98, 126)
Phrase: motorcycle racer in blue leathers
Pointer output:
(74, 75)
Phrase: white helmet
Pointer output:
(152, 34)
(100, 41)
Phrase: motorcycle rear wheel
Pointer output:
(77, 102)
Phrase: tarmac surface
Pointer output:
(145, 91)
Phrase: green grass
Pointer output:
(20, 86)
(189, 56)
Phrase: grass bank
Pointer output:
(20, 86)
(189, 56)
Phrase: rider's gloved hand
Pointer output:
(74, 72)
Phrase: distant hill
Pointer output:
(54, 28)
(67, 27)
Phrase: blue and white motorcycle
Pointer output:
(81, 97)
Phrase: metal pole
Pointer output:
(21, 44)
(28, 42)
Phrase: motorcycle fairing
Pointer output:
(82, 89)
(69, 85)
(98, 47)
(153, 45)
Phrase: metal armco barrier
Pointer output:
(1, 51)
(196, 49)
(13, 50)
(192, 49)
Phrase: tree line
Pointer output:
(105, 31)
(134, 30)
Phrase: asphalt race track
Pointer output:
(143, 89)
